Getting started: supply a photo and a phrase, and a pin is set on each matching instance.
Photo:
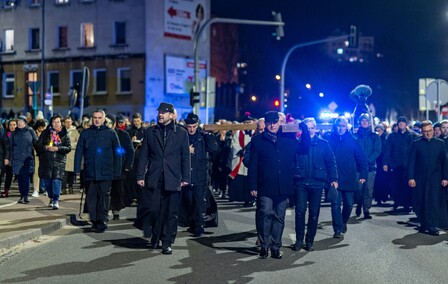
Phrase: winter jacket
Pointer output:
(126, 151)
(203, 143)
(52, 164)
(164, 152)
(396, 149)
(349, 158)
(22, 141)
(317, 166)
(99, 146)
(370, 144)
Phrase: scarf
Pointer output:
(55, 139)
(271, 136)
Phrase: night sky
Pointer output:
(411, 36)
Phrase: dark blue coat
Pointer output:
(271, 165)
(370, 144)
(126, 151)
(170, 159)
(203, 143)
(349, 158)
(22, 141)
(99, 146)
(317, 166)
(396, 149)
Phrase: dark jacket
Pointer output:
(2, 147)
(99, 148)
(222, 159)
(370, 144)
(396, 149)
(52, 164)
(21, 149)
(349, 158)
(316, 167)
(140, 134)
(203, 143)
(169, 157)
(125, 152)
(271, 164)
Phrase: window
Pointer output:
(124, 80)
(34, 39)
(8, 85)
(76, 79)
(99, 81)
(62, 37)
(120, 33)
(34, 2)
(87, 38)
(53, 81)
(9, 40)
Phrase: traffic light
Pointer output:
(353, 37)
(194, 98)
(277, 103)
(279, 32)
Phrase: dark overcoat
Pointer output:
(170, 158)
(126, 151)
(428, 166)
(271, 165)
(52, 164)
(22, 149)
(99, 146)
(203, 143)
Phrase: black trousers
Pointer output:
(98, 200)
(194, 201)
(116, 195)
(157, 214)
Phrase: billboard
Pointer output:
(179, 74)
(183, 18)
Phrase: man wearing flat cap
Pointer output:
(193, 195)
(395, 162)
(271, 171)
(163, 168)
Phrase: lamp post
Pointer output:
(42, 63)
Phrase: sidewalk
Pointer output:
(22, 222)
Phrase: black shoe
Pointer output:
(309, 247)
(116, 217)
(276, 254)
(264, 253)
(167, 250)
(296, 246)
(358, 211)
(101, 227)
(94, 226)
(198, 232)
(367, 215)
(337, 235)
(433, 232)
(249, 204)
(344, 229)
(21, 201)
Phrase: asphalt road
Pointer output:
(386, 249)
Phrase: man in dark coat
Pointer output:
(193, 195)
(52, 148)
(271, 170)
(313, 170)
(99, 146)
(349, 159)
(371, 146)
(165, 161)
(395, 159)
(428, 175)
(126, 152)
(381, 189)
(21, 154)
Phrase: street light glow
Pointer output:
(277, 77)
(321, 95)
(308, 86)
(253, 98)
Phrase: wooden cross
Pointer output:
(234, 127)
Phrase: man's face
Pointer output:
(428, 132)
(20, 123)
(165, 117)
(437, 132)
(444, 129)
(68, 123)
(261, 125)
(192, 128)
(98, 118)
(311, 128)
(365, 123)
(379, 131)
(341, 127)
(273, 127)
(137, 122)
(402, 126)
(121, 124)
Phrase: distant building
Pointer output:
(129, 46)
(340, 51)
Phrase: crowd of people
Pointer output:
(170, 165)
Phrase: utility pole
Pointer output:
(228, 21)
(42, 63)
